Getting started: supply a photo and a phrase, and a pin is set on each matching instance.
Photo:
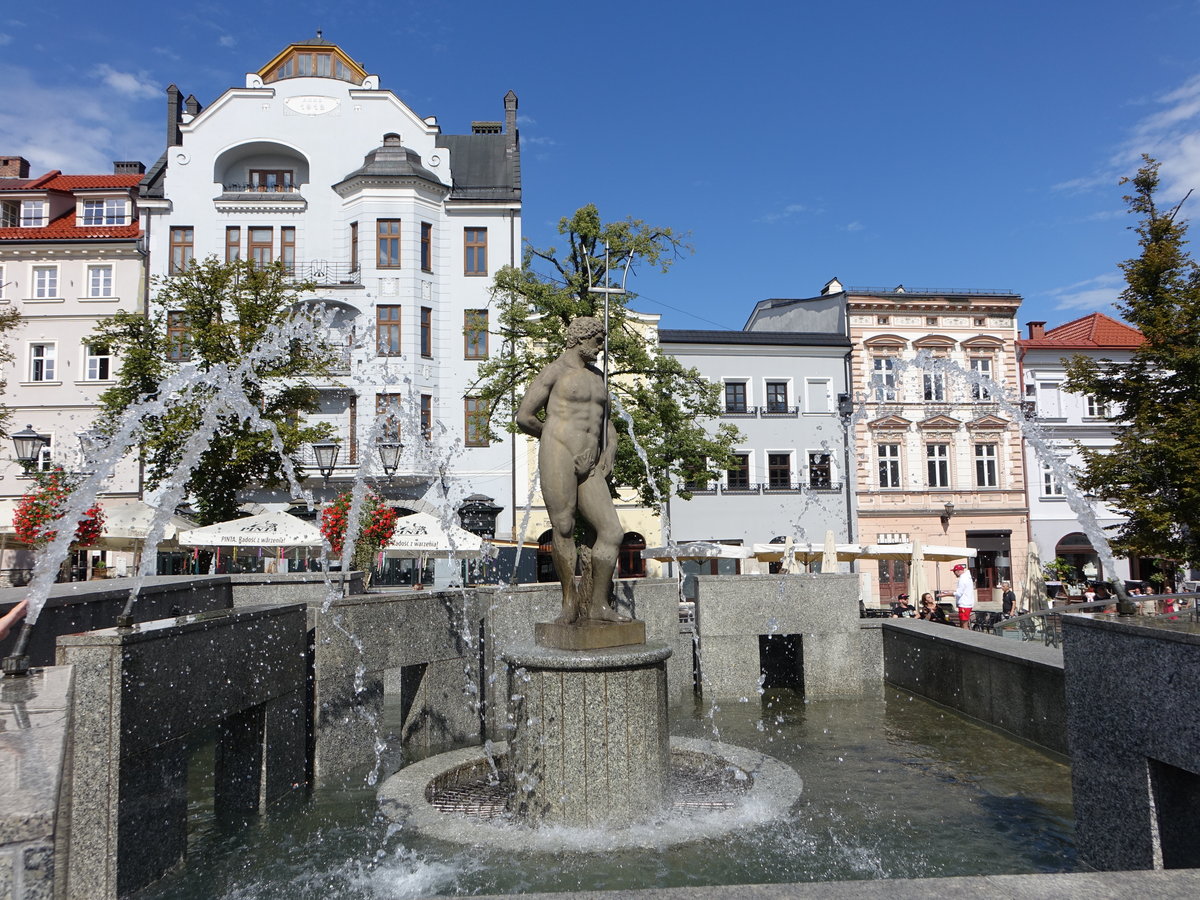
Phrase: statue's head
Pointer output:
(583, 328)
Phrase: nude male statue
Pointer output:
(577, 446)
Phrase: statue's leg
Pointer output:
(559, 493)
(595, 505)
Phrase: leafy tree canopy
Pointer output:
(214, 314)
(667, 402)
(1152, 474)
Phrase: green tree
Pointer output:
(667, 402)
(9, 319)
(1152, 474)
(210, 315)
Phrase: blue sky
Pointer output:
(934, 144)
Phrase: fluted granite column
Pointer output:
(589, 745)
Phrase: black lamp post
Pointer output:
(326, 452)
(389, 456)
(28, 444)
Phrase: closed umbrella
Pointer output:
(917, 585)
(1033, 586)
(829, 555)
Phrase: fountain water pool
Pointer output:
(895, 787)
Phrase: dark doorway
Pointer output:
(781, 661)
(1176, 794)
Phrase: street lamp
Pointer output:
(29, 444)
(946, 514)
(326, 452)
(389, 456)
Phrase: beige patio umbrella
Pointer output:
(1033, 585)
(829, 554)
(917, 583)
(697, 550)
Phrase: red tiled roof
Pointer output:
(64, 229)
(91, 182)
(1092, 332)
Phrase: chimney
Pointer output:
(129, 167)
(486, 127)
(192, 105)
(14, 167)
(174, 138)
(1037, 330)
(510, 115)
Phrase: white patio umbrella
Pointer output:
(422, 535)
(904, 552)
(126, 525)
(697, 550)
(804, 551)
(273, 529)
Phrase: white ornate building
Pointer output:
(312, 162)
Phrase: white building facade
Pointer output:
(400, 226)
(1068, 422)
(71, 254)
(790, 476)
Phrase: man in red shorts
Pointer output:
(964, 595)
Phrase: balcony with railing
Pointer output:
(739, 411)
(324, 273)
(778, 411)
(782, 487)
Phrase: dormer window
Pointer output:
(109, 211)
(311, 62)
(34, 213)
(10, 213)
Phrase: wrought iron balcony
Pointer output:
(740, 412)
(771, 411)
(325, 273)
(742, 488)
(782, 488)
(253, 188)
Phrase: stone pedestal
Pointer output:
(589, 635)
(589, 745)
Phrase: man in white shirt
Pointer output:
(964, 595)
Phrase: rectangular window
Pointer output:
(387, 232)
(937, 461)
(737, 476)
(183, 248)
(475, 251)
(42, 358)
(45, 460)
(889, 465)
(475, 334)
(177, 348)
(97, 362)
(820, 469)
(427, 416)
(427, 332)
(777, 397)
(287, 248)
(985, 466)
(260, 246)
(981, 366)
(387, 330)
(110, 211)
(935, 387)
(100, 281)
(34, 213)
(3, 283)
(1096, 408)
(45, 282)
(271, 180)
(387, 407)
(476, 415)
(883, 378)
(818, 395)
(779, 471)
(735, 396)
(233, 242)
(353, 246)
(1051, 486)
(10, 213)
(426, 247)
(1049, 400)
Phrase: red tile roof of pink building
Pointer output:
(66, 226)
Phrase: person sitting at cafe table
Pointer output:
(902, 609)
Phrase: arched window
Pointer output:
(545, 557)
(630, 563)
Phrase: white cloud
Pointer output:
(854, 226)
(5, 38)
(788, 212)
(534, 140)
(227, 40)
(137, 85)
(77, 128)
(1093, 295)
